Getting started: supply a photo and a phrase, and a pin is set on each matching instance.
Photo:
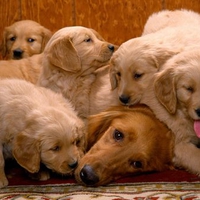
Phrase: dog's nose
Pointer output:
(198, 112)
(17, 53)
(124, 99)
(88, 176)
(111, 47)
(73, 165)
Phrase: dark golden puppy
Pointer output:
(124, 141)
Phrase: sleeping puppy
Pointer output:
(167, 18)
(137, 60)
(38, 126)
(123, 141)
(71, 58)
(23, 39)
(27, 68)
(175, 99)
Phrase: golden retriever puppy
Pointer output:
(137, 60)
(23, 39)
(175, 99)
(27, 68)
(124, 141)
(71, 58)
(168, 18)
(37, 126)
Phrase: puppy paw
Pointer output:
(41, 176)
(3, 182)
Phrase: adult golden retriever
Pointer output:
(124, 141)
(137, 60)
(174, 98)
(23, 39)
(71, 58)
(169, 18)
(37, 126)
(27, 68)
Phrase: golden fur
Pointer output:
(167, 18)
(71, 58)
(124, 141)
(174, 98)
(23, 39)
(137, 60)
(26, 68)
(38, 126)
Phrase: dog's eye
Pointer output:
(88, 40)
(56, 148)
(118, 74)
(118, 136)
(12, 38)
(190, 89)
(136, 164)
(137, 75)
(30, 40)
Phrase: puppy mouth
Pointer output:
(197, 128)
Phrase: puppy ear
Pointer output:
(165, 90)
(98, 124)
(46, 35)
(62, 54)
(3, 47)
(113, 78)
(26, 152)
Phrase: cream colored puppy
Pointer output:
(23, 39)
(175, 99)
(167, 18)
(71, 58)
(137, 60)
(38, 126)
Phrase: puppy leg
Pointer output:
(187, 155)
(3, 179)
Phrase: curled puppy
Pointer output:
(38, 126)
(123, 141)
(23, 39)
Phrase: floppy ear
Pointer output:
(165, 90)
(113, 78)
(98, 124)
(46, 35)
(26, 152)
(3, 46)
(62, 54)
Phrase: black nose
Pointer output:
(111, 47)
(17, 53)
(124, 99)
(73, 165)
(88, 176)
(198, 112)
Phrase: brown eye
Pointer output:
(12, 38)
(118, 74)
(118, 136)
(190, 89)
(136, 164)
(56, 148)
(88, 40)
(137, 75)
(30, 40)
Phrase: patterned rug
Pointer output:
(167, 185)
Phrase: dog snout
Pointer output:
(198, 112)
(88, 175)
(17, 53)
(124, 99)
(73, 165)
(111, 47)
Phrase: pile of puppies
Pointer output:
(100, 111)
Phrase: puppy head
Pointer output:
(52, 138)
(133, 66)
(78, 50)
(23, 39)
(123, 141)
(177, 87)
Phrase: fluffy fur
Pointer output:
(27, 68)
(174, 98)
(71, 58)
(37, 126)
(168, 18)
(124, 141)
(23, 39)
(137, 60)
